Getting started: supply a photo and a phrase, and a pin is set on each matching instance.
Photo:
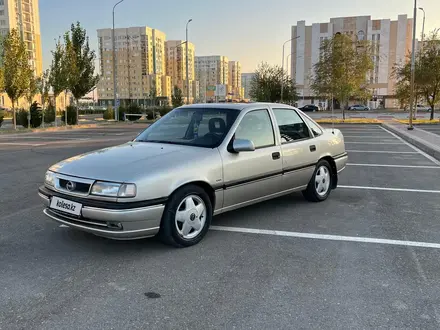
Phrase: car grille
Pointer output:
(79, 187)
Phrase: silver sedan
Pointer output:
(196, 162)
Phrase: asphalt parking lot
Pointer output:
(367, 258)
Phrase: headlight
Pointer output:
(49, 179)
(110, 189)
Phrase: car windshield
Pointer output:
(199, 127)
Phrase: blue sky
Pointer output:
(249, 31)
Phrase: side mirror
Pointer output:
(240, 145)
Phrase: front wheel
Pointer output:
(187, 217)
(320, 184)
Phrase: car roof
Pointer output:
(234, 106)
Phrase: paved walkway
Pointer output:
(427, 141)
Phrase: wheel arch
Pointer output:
(334, 169)
(202, 184)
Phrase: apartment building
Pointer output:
(211, 71)
(234, 81)
(175, 54)
(391, 41)
(24, 16)
(140, 65)
(246, 79)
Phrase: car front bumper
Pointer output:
(120, 223)
(341, 162)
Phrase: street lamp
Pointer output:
(115, 95)
(187, 63)
(413, 65)
(282, 77)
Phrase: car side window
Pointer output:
(316, 130)
(290, 125)
(257, 127)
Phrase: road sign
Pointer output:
(220, 90)
(118, 102)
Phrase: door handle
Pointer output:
(312, 148)
(276, 155)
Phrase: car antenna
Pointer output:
(333, 117)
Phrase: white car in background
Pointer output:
(423, 108)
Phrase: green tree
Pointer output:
(43, 87)
(80, 63)
(342, 69)
(16, 68)
(266, 85)
(177, 97)
(31, 91)
(427, 74)
(402, 91)
(58, 72)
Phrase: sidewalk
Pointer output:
(426, 141)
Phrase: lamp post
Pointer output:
(282, 77)
(115, 92)
(423, 26)
(413, 65)
(187, 63)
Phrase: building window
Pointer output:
(2, 2)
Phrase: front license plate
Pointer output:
(65, 206)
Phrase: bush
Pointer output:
(71, 115)
(131, 109)
(109, 114)
(2, 115)
(49, 114)
(21, 117)
(36, 115)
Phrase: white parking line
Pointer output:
(49, 138)
(391, 189)
(383, 152)
(326, 237)
(397, 166)
(432, 159)
(386, 137)
(22, 144)
(373, 142)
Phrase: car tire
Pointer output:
(320, 184)
(173, 226)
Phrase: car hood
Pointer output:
(126, 162)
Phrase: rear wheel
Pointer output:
(320, 184)
(187, 217)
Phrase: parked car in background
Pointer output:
(195, 162)
(359, 107)
(421, 107)
(309, 107)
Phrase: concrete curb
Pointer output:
(428, 147)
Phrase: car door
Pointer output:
(252, 175)
(299, 148)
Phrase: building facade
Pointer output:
(391, 41)
(234, 81)
(211, 71)
(175, 53)
(24, 16)
(246, 79)
(140, 65)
